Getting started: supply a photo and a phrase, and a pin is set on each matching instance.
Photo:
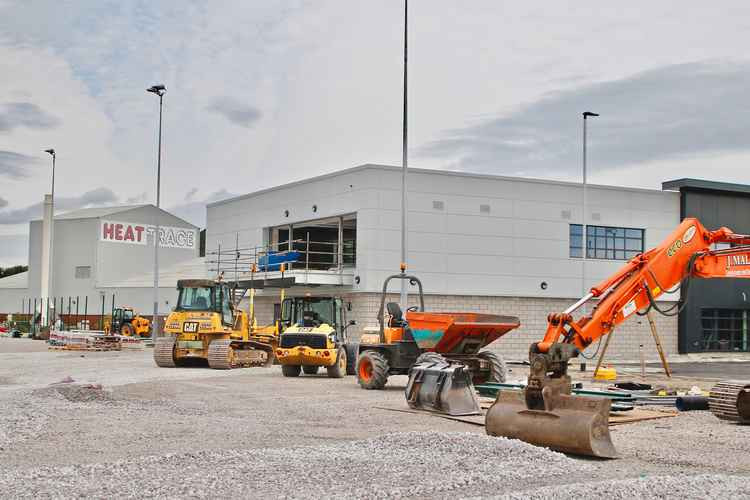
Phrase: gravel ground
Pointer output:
(118, 420)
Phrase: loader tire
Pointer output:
(351, 358)
(127, 330)
(310, 369)
(290, 370)
(372, 370)
(498, 370)
(338, 369)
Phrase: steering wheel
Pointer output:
(412, 309)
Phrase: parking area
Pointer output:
(158, 431)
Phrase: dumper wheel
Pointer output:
(351, 358)
(290, 370)
(310, 369)
(338, 369)
(372, 370)
(431, 357)
(498, 369)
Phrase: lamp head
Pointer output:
(586, 114)
(157, 89)
(50, 151)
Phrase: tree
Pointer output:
(10, 271)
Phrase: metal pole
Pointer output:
(101, 319)
(155, 329)
(78, 300)
(404, 161)
(50, 277)
(86, 311)
(583, 215)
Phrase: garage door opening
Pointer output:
(328, 244)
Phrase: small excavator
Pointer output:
(545, 413)
(129, 323)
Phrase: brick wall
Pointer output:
(532, 312)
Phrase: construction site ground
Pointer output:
(196, 432)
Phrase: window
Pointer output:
(83, 272)
(724, 329)
(604, 242)
(195, 299)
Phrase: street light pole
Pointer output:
(404, 161)
(51, 261)
(586, 115)
(158, 90)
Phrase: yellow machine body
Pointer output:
(324, 353)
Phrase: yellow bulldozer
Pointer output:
(207, 325)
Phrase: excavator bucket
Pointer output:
(570, 424)
(442, 387)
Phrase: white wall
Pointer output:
(458, 250)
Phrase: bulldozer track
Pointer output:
(164, 352)
(220, 355)
(730, 400)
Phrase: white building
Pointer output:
(101, 253)
(478, 242)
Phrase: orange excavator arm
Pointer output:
(685, 253)
(546, 413)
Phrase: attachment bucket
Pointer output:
(442, 387)
(571, 424)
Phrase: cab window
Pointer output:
(195, 299)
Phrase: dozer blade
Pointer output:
(442, 387)
(576, 425)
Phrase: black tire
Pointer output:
(351, 358)
(127, 330)
(310, 369)
(372, 370)
(338, 369)
(429, 356)
(498, 370)
(290, 370)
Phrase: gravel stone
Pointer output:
(413, 464)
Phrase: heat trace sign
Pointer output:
(138, 234)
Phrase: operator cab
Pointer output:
(206, 296)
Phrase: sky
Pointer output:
(261, 93)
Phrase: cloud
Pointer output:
(14, 165)
(96, 197)
(25, 114)
(189, 196)
(664, 113)
(139, 198)
(194, 211)
(235, 111)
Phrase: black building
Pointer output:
(715, 318)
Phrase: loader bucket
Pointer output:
(442, 387)
(570, 424)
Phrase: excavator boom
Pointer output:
(546, 413)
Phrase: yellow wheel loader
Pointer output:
(315, 338)
(206, 325)
(129, 323)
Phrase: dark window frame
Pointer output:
(605, 242)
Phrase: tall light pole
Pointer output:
(404, 161)
(159, 90)
(50, 258)
(586, 115)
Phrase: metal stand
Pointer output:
(652, 324)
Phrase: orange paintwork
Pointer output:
(452, 328)
(393, 334)
(660, 269)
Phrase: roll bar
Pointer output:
(401, 276)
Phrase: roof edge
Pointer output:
(706, 185)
